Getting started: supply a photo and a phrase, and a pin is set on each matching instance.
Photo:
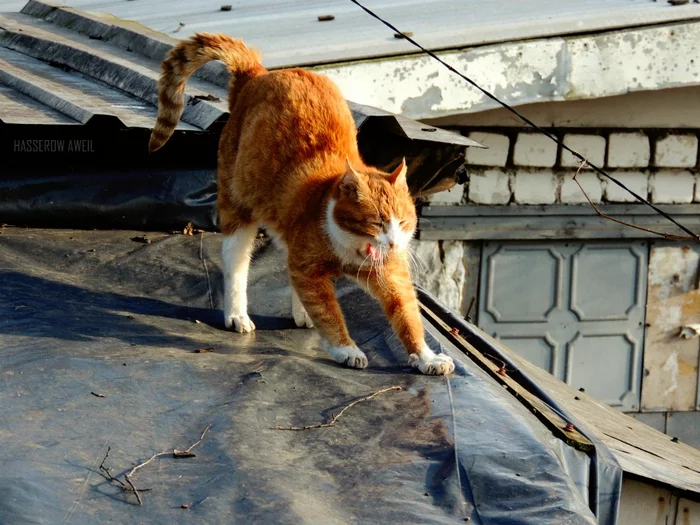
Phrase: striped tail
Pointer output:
(183, 60)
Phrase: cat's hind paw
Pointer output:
(431, 363)
(348, 355)
(240, 323)
(301, 316)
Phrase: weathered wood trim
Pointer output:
(545, 413)
(549, 222)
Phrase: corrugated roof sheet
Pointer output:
(64, 66)
(288, 32)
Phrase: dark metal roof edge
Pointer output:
(140, 39)
(101, 65)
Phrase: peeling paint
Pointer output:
(552, 69)
(672, 302)
(423, 103)
(671, 368)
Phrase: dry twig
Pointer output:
(670, 236)
(129, 485)
(336, 417)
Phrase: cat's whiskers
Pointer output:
(357, 278)
(381, 277)
(369, 274)
(416, 262)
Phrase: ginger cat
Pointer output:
(288, 160)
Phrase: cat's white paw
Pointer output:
(301, 316)
(431, 363)
(240, 323)
(348, 355)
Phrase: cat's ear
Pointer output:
(352, 182)
(398, 176)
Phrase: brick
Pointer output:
(536, 187)
(489, 187)
(637, 181)
(572, 194)
(676, 151)
(495, 155)
(592, 147)
(697, 189)
(534, 149)
(628, 150)
(669, 187)
(452, 196)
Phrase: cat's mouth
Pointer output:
(370, 252)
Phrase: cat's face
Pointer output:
(371, 216)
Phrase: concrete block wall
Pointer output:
(525, 168)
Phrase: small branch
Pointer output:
(108, 474)
(129, 485)
(201, 438)
(337, 416)
(131, 473)
(670, 236)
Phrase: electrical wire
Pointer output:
(530, 123)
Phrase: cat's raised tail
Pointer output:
(183, 60)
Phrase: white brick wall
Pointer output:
(592, 147)
(489, 187)
(637, 181)
(672, 187)
(538, 187)
(536, 178)
(628, 150)
(676, 151)
(496, 154)
(534, 149)
(572, 194)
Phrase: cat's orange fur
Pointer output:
(288, 159)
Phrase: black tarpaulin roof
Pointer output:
(94, 311)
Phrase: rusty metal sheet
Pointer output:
(688, 512)
(670, 376)
(644, 503)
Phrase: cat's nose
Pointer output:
(391, 245)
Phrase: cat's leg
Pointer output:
(301, 316)
(235, 253)
(317, 295)
(394, 290)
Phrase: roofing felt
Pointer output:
(289, 33)
(125, 319)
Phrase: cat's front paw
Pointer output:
(431, 363)
(349, 356)
(240, 323)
